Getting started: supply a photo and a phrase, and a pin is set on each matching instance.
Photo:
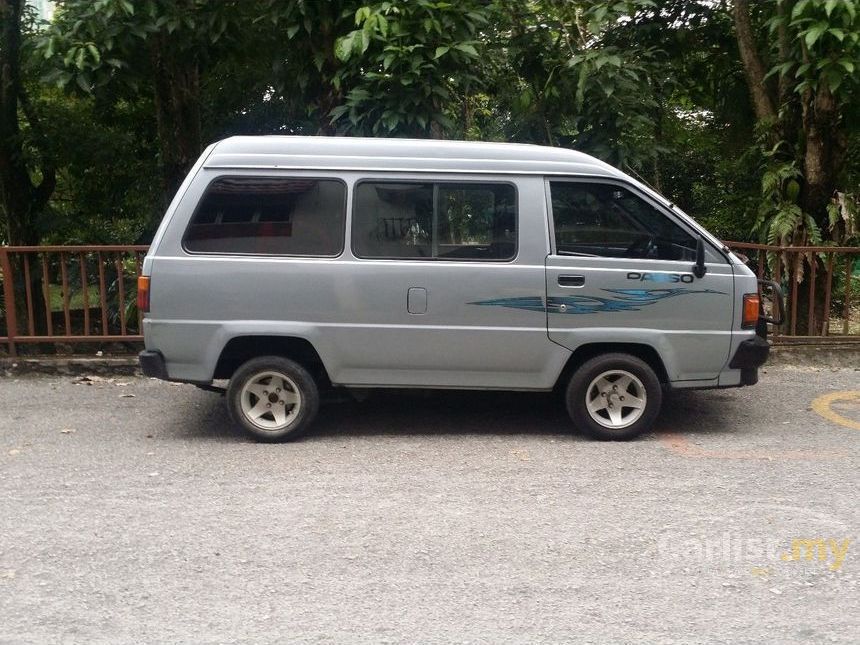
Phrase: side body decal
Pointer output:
(618, 300)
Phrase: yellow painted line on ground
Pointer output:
(823, 406)
(677, 443)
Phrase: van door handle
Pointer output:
(571, 280)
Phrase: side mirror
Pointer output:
(699, 269)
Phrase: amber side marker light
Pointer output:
(143, 293)
(752, 305)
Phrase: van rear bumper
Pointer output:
(750, 355)
(152, 364)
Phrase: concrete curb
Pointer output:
(831, 355)
(69, 365)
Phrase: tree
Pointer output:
(27, 173)
(805, 125)
(754, 67)
(161, 46)
(303, 37)
(406, 65)
(565, 78)
(674, 90)
(815, 55)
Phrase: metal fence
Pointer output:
(69, 295)
(826, 275)
(76, 295)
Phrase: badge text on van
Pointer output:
(686, 278)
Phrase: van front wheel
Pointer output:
(614, 397)
(272, 398)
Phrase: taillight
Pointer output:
(752, 305)
(143, 293)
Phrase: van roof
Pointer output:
(420, 155)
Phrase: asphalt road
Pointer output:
(429, 517)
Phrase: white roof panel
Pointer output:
(354, 153)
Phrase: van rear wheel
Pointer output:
(272, 398)
(614, 397)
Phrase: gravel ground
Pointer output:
(132, 512)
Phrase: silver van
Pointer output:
(292, 264)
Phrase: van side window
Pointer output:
(462, 221)
(611, 221)
(269, 216)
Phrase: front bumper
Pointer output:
(750, 355)
(152, 364)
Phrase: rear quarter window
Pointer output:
(269, 216)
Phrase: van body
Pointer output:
(438, 264)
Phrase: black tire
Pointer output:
(299, 382)
(577, 397)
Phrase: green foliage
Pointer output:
(781, 219)
(108, 191)
(718, 187)
(405, 63)
(616, 105)
(300, 68)
(825, 43)
(819, 61)
(96, 43)
(654, 88)
(567, 80)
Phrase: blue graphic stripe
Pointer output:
(530, 303)
(620, 300)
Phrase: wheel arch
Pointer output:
(588, 351)
(240, 349)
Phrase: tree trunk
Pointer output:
(177, 107)
(437, 131)
(24, 202)
(14, 177)
(826, 146)
(783, 11)
(330, 96)
(754, 68)
(824, 154)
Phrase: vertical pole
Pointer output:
(139, 264)
(777, 277)
(103, 294)
(9, 300)
(46, 290)
(64, 279)
(828, 289)
(846, 310)
(85, 291)
(795, 271)
(810, 318)
(121, 283)
(28, 292)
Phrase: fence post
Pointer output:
(9, 300)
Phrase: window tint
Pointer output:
(269, 215)
(435, 220)
(609, 220)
